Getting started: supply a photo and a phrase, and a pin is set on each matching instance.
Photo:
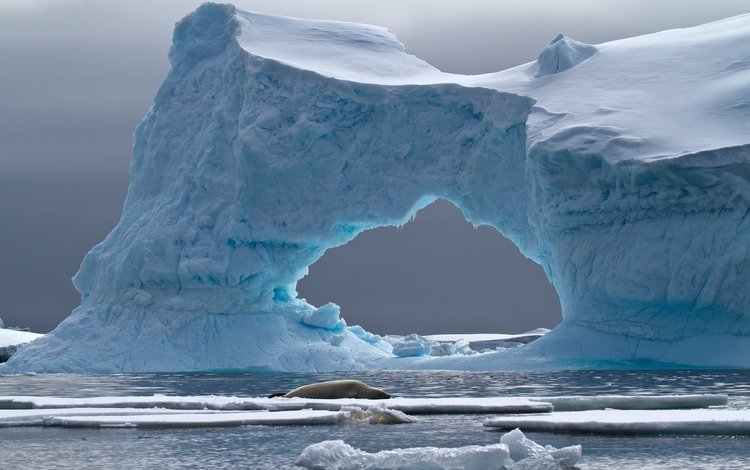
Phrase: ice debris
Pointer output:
(514, 451)
(413, 345)
(376, 414)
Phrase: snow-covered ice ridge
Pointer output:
(621, 168)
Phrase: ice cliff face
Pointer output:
(623, 170)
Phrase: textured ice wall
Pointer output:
(244, 172)
(274, 139)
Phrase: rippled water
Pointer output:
(272, 447)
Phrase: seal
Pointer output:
(335, 389)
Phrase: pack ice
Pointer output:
(621, 168)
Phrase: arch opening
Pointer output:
(435, 274)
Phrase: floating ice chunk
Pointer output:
(442, 349)
(703, 421)
(514, 451)
(620, 402)
(412, 346)
(376, 414)
(448, 348)
(521, 447)
(561, 54)
(462, 347)
(338, 455)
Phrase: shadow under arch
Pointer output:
(435, 274)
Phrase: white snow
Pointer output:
(10, 337)
(514, 451)
(345, 51)
(701, 421)
(11, 340)
(621, 168)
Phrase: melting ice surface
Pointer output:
(621, 168)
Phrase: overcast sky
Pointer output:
(76, 76)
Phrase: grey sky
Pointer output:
(76, 76)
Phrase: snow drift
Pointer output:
(621, 168)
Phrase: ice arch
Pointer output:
(273, 139)
(434, 274)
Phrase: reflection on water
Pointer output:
(276, 447)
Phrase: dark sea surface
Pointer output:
(277, 447)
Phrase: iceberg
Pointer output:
(622, 168)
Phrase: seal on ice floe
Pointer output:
(335, 389)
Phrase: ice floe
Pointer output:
(455, 405)
(160, 417)
(645, 402)
(636, 414)
(701, 421)
(156, 417)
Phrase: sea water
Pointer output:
(276, 447)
